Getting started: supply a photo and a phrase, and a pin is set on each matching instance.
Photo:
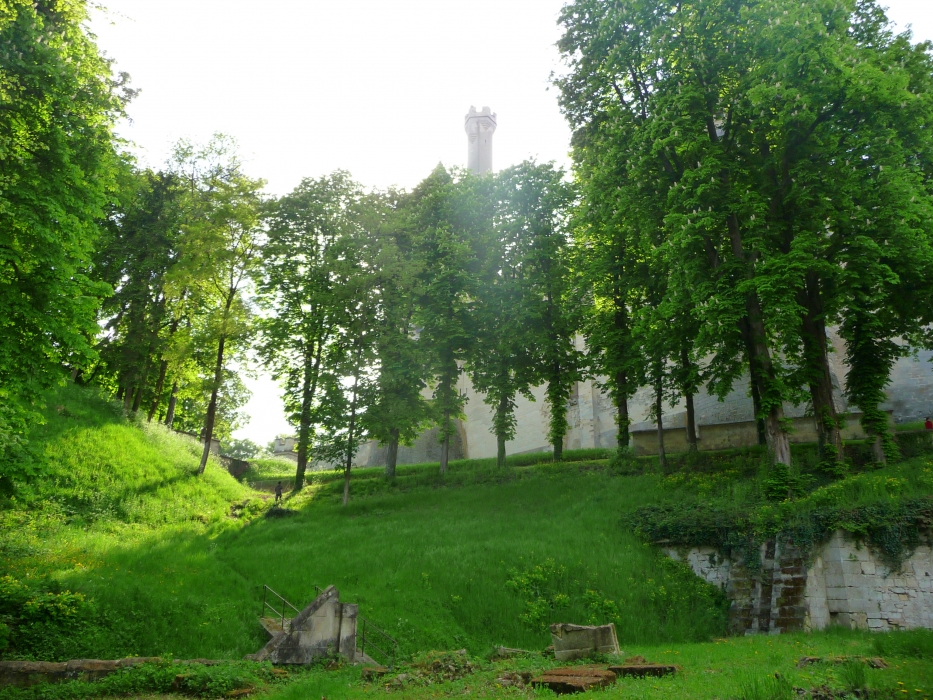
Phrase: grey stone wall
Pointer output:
(845, 583)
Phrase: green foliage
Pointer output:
(41, 622)
(242, 449)
(138, 248)
(59, 104)
(540, 587)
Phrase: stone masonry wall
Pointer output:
(845, 583)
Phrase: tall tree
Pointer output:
(219, 249)
(541, 209)
(397, 411)
(303, 285)
(445, 249)
(764, 98)
(501, 362)
(59, 104)
(137, 250)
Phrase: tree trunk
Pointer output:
(777, 440)
(392, 453)
(622, 417)
(163, 368)
(137, 399)
(761, 370)
(350, 450)
(659, 409)
(120, 393)
(500, 436)
(688, 397)
(128, 398)
(756, 407)
(816, 357)
(160, 384)
(308, 390)
(445, 445)
(212, 406)
(172, 400)
(745, 330)
(693, 445)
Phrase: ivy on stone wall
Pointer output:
(893, 529)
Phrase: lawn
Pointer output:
(168, 563)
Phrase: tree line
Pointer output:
(746, 173)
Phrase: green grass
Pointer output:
(724, 668)
(481, 557)
(93, 464)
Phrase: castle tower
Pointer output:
(480, 126)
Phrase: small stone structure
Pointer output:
(25, 674)
(326, 627)
(844, 583)
(579, 641)
(574, 679)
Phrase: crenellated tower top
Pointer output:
(479, 126)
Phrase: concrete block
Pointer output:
(579, 641)
(868, 568)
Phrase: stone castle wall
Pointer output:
(721, 423)
(844, 583)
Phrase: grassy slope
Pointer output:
(153, 546)
(172, 573)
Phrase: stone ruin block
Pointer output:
(574, 679)
(326, 627)
(579, 641)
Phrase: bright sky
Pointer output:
(375, 87)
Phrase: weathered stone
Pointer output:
(845, 584)
(136, 660)
(579, 641)
(325, 627)
(29, 673)
(371, 673)
(643, 670)
(90, 669)
(513, 679)
(508, 653)
(574, 679)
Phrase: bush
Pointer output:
(39, 622)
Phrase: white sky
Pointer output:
(375, 87)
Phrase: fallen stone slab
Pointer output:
(508, 653)
(371, 673)
(574, 679)
(512, 678)
(573, 642)
(643, 670)
(873, 662)
(25, 674)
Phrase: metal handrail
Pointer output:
(390, 641)
(279, 614)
